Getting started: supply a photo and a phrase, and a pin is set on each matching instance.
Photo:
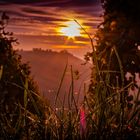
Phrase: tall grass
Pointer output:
(103, 114)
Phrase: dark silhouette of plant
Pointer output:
(22, 112)
(116, 53)
(120, 29)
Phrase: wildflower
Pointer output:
(128, 76)
(129, 127)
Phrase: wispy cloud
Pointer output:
(36, 24)
(55, 2)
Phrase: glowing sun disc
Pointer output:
(71, 30)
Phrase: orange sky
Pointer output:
(47, 25)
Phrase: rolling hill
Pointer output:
(47, 68)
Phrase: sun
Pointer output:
(71, 29)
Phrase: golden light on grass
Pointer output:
(71, 29)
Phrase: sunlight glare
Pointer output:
(71, 29)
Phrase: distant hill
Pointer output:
(47, 68)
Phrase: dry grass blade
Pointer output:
(60, 85)
(1, 71)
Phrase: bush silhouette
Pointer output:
(20, 105)
(116, 53)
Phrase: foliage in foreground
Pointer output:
(21, 110)
(108, 110)
(113, 94)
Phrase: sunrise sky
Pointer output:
(49, 24)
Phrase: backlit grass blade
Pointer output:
(60, 85)
(25, 92)
(1, 71)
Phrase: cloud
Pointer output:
(36, 24)
(68, 3)
(56, 2)
(33, 11)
